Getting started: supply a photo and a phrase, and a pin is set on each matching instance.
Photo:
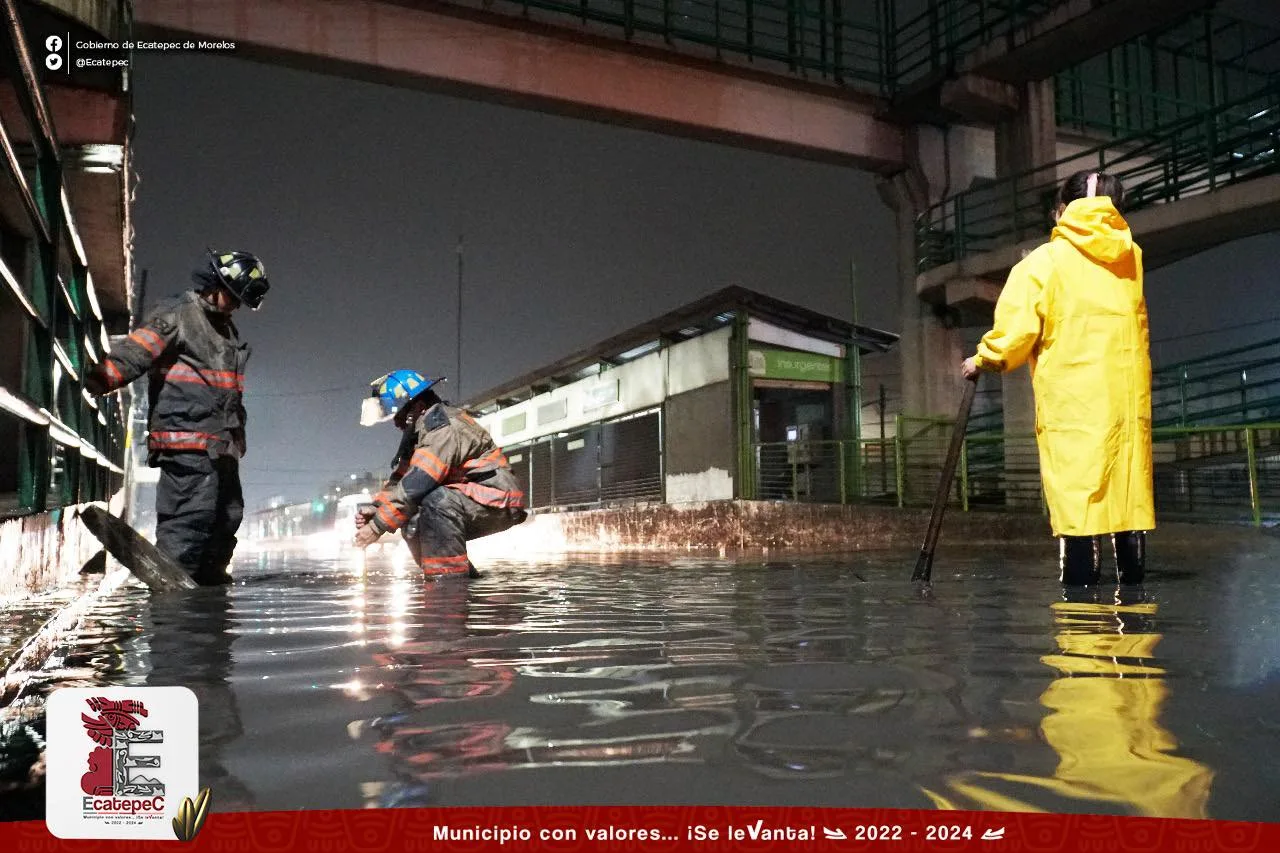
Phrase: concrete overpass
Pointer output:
(445, 47)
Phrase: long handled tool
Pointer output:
(924, 565)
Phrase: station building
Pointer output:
(684, 408)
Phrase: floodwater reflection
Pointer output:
(1104, 710)
(328, 682)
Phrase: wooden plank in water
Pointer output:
(134, 552)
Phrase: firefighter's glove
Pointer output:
(367, 535)
(95, 383)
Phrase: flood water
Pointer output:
(325, 683)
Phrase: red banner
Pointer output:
(699, 828)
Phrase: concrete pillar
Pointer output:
(1025, 141)
(929, 350)
(1029, 137)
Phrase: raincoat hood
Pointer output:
(1096, 228)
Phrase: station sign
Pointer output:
(768, 363)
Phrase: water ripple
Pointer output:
(324, 683)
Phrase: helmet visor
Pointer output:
(253, 292)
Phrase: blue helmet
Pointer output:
(390, 393)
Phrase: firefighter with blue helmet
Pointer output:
(450, 482)
(195, 362)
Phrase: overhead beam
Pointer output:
(460, 51)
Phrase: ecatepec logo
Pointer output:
(120, 761)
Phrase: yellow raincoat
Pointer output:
(1074, 309)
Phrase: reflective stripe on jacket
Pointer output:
(195, 363)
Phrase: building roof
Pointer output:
(696, 318)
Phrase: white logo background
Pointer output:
(171, 710)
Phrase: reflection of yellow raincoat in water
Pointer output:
(1103, 722)
(1074, 309)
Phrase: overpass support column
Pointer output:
(929, 348)
(1025, 140)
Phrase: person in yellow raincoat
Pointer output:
(1074, 310)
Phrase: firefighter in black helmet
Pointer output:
(195, 361)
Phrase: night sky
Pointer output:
(354, 195)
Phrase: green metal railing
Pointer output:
(836, 40)
(1212, 473)
(1238, 386)
(1231, 387)
(1200, 63)
(930, 43)
(1222, 146)
(58, 446)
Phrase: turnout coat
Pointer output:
(195, 361)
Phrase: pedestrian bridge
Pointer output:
(780, 97)
(838, 82)
(1191, 184)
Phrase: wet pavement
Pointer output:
(330, 682)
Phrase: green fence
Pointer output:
(57, 445)
(929, 43)
(1212, 473)
(1222, 146)
(1235, 386)
(1178, 72)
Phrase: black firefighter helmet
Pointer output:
(242, 274)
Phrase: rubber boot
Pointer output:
(1080, 560)
(1131, 555)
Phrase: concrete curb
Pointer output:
(780, 528)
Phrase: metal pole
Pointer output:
(457, 376)
(1182, 390)
(899, 460)
(1254, 502)
(1244, 400)
(841, 454)
(884, 465)
(855, 385)
(739, 368)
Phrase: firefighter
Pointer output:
(1074, 309)
(195, 361)
(450, 482)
